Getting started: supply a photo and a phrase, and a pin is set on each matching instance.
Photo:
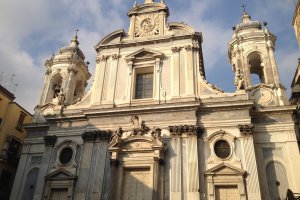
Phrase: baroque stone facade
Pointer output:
(152, 126)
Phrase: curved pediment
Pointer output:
(111, 37)
(132, 143)
(147, 8)
(181, 28)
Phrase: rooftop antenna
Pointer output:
(76, 32)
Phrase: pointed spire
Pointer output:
(135, 4)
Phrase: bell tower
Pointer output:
(251, 53)
(66, 76)
(148, 20)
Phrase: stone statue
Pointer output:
(156, 133)
(38, 117)
(239, 80)
(139, 127)
(61, 97)
(56, 90)
(117, 136)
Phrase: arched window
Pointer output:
(55, 87)
(30, 184)
(277, 180)
(256, 68)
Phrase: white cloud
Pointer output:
(31, 30)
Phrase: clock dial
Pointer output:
(147, 25)
(263, 96)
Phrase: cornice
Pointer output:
(146, 41)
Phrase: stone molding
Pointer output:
(189, 130)
(102, 58)
(246, 129)
(89, 136)
(50, 140)
(175, 49)
(115, 56)
(188, 48)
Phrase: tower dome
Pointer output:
(66, 76)
(251, 53)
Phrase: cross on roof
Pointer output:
(244, 7)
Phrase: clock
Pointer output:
(262, 96)
(146, 25)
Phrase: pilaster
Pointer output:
(189, 73)
(99, 79)
(252, 183)
(112, 78)
(176, 72)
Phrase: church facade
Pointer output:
(152, 127)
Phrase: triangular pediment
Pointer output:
(224, 169)
(144, 53)
(60, 175)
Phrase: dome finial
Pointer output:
(245, 18)
(149, 1)
(74, 41)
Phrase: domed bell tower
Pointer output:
(251, 53)
(66, 76)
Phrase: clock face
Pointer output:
(262, 96)
(146, 25)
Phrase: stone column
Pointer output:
(157, 79)
(98, 164)
(176, 171)
(20, 175)
(112, 78)
(46, 84)
(176, 72)
(85, 165)
(69, 86)
(189, 73)
(273, 65)
(184, 165)
(129, 81)
(97, 87)
(50, 141)
(250, 162)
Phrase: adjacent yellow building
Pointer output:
(12, 118)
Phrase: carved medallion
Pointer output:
(146, 25)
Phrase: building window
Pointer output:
(222, 149)
(20, 121)
(66, 156)
(144, 86)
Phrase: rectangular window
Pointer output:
(20, 121)
(144, 86)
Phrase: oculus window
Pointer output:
(222, 149)
(66, 156)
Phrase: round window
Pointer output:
(222, 149)
(65, 155)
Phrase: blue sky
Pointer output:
(30, 31)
